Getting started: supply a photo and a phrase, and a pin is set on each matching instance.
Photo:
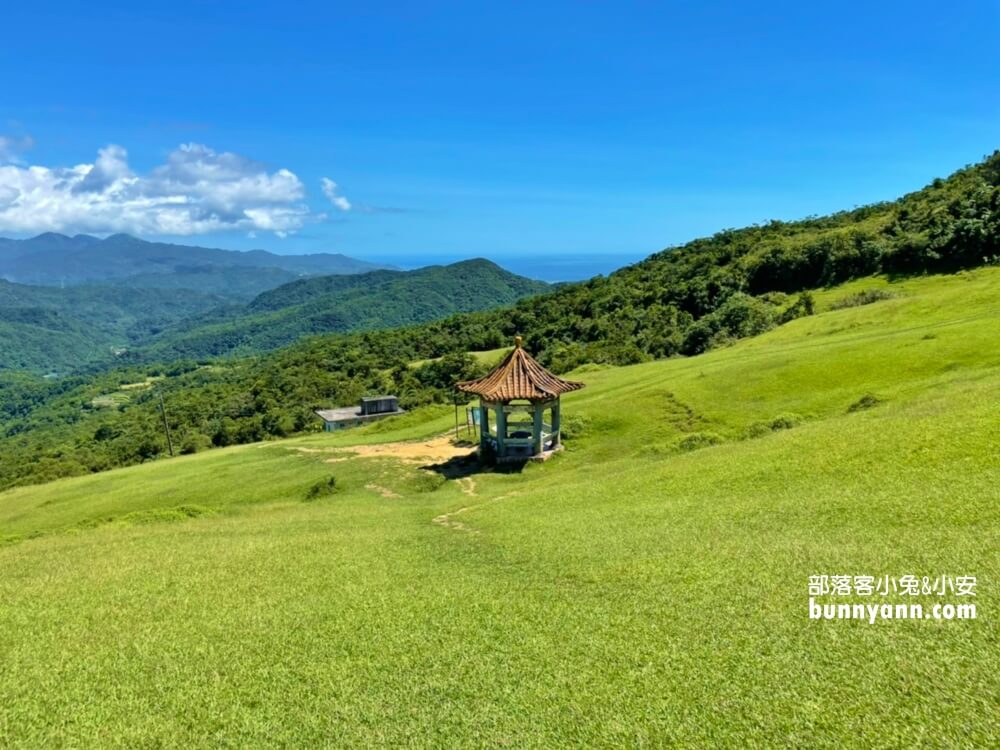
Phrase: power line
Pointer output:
(166, 427)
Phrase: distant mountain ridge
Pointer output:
(49, 329)
(55, 259)
(341, 304)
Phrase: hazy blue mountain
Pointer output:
(55, 259)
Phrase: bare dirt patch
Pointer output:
(435, 449)
(383, 491)
(448, 521)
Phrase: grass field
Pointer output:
(646, 588)
(490, 357)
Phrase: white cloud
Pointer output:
(110, 167)
(197, 190)
(11, 147)
(330, 191)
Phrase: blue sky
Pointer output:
(569, 136)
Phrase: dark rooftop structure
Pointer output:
(371, 408)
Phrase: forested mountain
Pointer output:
(680, 301)
(50, 259)
(236, 284)
(47, 329)
(340, 304)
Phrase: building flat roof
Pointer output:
(335, 415)
(350, 413)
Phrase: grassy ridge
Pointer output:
(639, 590)
(686, 300)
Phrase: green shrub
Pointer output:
(322, 488)
(867, 401)
(865, 297)
(427, 481)
(785, 422)
(697, 440)
(195, 443)
(781, 422)
(804, 305)
(574, 426)
(159, 515)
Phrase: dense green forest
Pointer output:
(46, 329)
(341, 304)
(232, 282)
(62, 330)
(681, 301)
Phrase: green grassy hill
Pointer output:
(647, 587)
(685, 300)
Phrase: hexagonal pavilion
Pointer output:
(518, 391)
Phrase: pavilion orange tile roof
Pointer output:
(519, 376)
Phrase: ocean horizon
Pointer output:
(551, 268)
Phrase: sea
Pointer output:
(552, 268)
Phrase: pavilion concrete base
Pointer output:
(537, 458)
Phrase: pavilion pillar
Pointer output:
(536, 431)
(556, 427)
(501, 429)
(484, 422)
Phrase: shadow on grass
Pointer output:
(470, 465)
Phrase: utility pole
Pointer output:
(166, 427)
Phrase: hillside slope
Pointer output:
(682, 301)
(45, 329)
(341, 304)
(646, 588)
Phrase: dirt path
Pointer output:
(383, 491)
(447, 520)
(438, 449)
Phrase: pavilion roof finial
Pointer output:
(518, 342)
